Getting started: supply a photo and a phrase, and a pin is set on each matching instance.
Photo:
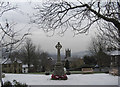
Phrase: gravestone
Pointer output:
(59, 69)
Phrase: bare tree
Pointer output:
(37, 60)
(80, 16)
(5, 29)
(44, 61)
(109, 34)
(4, 7)
(99, 48)
(8, 36)
(28, 53)
(100, 42)
(76, 14)
(32, 55)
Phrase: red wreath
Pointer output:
(57, 77)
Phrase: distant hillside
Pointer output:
(78, 54)
(81, 54)
(54, 56)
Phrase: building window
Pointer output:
(20, 65)
(19, 70)
(9, 65)
(5, 65)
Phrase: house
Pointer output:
(25, 68)
(114, 58)
(11, 66)
(115, 55)
(15, 66)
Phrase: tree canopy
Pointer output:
(80, 16)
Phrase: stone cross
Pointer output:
(58, 47)
(58, 69)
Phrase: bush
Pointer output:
(68, 73)
(7, 84)
(47, 73)
(3, 75)
(18, 84)
(15, 84)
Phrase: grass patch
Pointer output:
(80, 72)
(39, 73)
(72, 72)
(76, 72)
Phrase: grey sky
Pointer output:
(21, 17)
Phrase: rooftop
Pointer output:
(8, 61)
(115, 52)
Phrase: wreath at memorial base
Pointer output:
(57, 77)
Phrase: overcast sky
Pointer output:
(39, 37)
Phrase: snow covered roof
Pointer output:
(26, 66)
(8, 61)
(18, 61)
(113, 53)
(50, 58)
(96, 66)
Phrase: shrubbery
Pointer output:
(68, 73)
(47, 73)
(3, 75)
(15, 84)
(7, 84)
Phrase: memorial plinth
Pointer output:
(59, 73)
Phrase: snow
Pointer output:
(116, 52)
(8, 61)
(26, 66)
(74, 79)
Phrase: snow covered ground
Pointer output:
(74, 79)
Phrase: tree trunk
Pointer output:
(1, 66)
(119, 42)
(28, 68)
(119, 53)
